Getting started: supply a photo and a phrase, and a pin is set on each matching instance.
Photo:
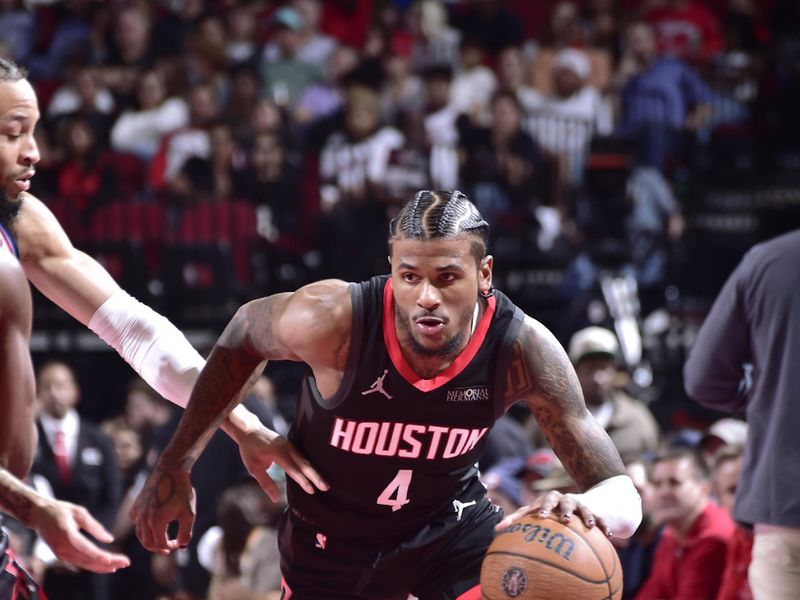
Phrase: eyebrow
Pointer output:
(450, 267)
(17, 118)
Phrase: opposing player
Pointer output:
(82, 287)
(59, 523)
(406, 375)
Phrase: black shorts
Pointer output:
(15, 582)
(441, 562)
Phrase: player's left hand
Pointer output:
(558, 506)
(260, 447)
(167, 496)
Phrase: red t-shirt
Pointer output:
(691, 569)
(734, 581)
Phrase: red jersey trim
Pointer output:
(458, 365)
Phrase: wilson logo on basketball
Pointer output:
(557, 543)
(515, 582)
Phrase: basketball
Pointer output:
(544, 559)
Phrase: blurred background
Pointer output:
(208, 152)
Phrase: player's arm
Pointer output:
(714, 374)
(59, 523)
(17, 391)
(76, 282)
(310, 325)
(547, 383)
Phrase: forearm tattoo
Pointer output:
(15, 497)
(555, 399)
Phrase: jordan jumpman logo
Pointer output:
(378, 386)
(459, 507)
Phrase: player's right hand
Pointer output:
(60, 524)
(260, 447)
(167, 496)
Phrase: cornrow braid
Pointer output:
(440, 214)
(11, 71)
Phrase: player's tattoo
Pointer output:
(518, 379)
(14, 497)
(164, 490)
(555, 398)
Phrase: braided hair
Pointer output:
(441, 214)
(11, 71)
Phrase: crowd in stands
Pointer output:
(211, 151)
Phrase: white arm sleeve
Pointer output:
(148, 342)
(617, 502)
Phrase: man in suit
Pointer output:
(78, 461)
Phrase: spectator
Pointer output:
(263, 392)
(434, 42)
(507, 439)
(131, 52)
(82, 93)
(723, 432)
(86, 177)
(503, 167)
(146, 411)
(285, 73)
(242, 40)
(245, 563)
(637, 552)
(662, 97)
(67, 43)
(272, 182)
(77, 459)
(686, 29)
(139, 132)
(690, 557)
(325, 98)
(353, 166)
(474, 84)
(594, 352)
(214, 178)
(402, 90)
(440, 127)
(313, 46)
(242, 102)
(191, 141)
(513, 66)
(17, 30)
(727, 468)
(567, 31)
(565, 122)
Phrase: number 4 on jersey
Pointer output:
(396, 493)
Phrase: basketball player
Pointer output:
(406, 376)
(152, 345)
(59, 523)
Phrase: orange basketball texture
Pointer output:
(545, 559)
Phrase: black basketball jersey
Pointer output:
(395, 448)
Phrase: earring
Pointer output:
(487, 293)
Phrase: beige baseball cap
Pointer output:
(592, 341)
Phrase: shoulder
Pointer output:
(315, 316)
(38, 232)
(539, 365)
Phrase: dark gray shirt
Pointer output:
(756, 320)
